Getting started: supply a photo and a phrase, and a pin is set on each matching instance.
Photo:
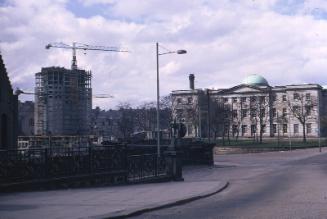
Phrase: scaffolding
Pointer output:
(63, 101)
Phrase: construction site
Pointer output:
(63, 101)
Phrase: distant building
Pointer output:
(63, 101)
(26, 118)
(53, 142)
(253, 107)
(104, 124)
(8, 111)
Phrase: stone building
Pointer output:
(252, 108)
(8, 111)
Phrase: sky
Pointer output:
(285, 41)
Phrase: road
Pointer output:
(264, 185)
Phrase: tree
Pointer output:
(165, 105)
(238, 118)
(259, 111)
(262, 112)
(126, 121)
(216, 118)
(146, 115)
(301, 108)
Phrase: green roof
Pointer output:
(254, 79)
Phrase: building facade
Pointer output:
(63, 101)
(253, 108)
(8, 111)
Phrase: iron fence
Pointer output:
(145, 166)
(104, 163)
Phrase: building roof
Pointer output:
(4, 75)
(256, 80)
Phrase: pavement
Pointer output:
(283, 185)
(106, 202)
(235, 180)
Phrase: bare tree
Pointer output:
(238, 118)
(165, 112)
(227, 122)
(263, 112)
(216, 118)
(301, 108)
(259, 111)
(126, 122)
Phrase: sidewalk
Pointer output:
(104, 202)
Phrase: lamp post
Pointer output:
(158, 91)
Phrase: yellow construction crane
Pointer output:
(75, 46)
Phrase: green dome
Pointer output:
(255, 80)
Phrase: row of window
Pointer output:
(262, 99)
(180, 100)
(253, 112)
(284, 128)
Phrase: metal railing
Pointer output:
(76, 164)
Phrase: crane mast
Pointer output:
(75, 46)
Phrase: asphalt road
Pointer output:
(268, 185)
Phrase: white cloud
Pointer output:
(226, 40)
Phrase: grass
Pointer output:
(272, 143)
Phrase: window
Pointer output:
(234, 113)
(189, 129)
(244, 113)
(308, 110)
(262, 99)
(190, 112)
(262, 113)
(263, 128)
(296, 96)
(284, 112)
(275, 128)
(179, 112)
(309, 129)
(253, 99)
(274, 97)
(235, 129)
(244, 129)
(243, 99)
(253, 129)
(225, 99)
(284, 128)
(274, 112)
(296, 109)
(253, 113)
(296, 128)
(189, 100)
(179, 100)
(284, 98)
(234, 99)
(307, 97)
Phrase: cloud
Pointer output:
(285, 41)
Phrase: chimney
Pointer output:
(191, 78)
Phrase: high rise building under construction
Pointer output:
(63, 101)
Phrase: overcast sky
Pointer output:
(285, 41)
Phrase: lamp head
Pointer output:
(181, 51)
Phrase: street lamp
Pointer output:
(158, 93)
